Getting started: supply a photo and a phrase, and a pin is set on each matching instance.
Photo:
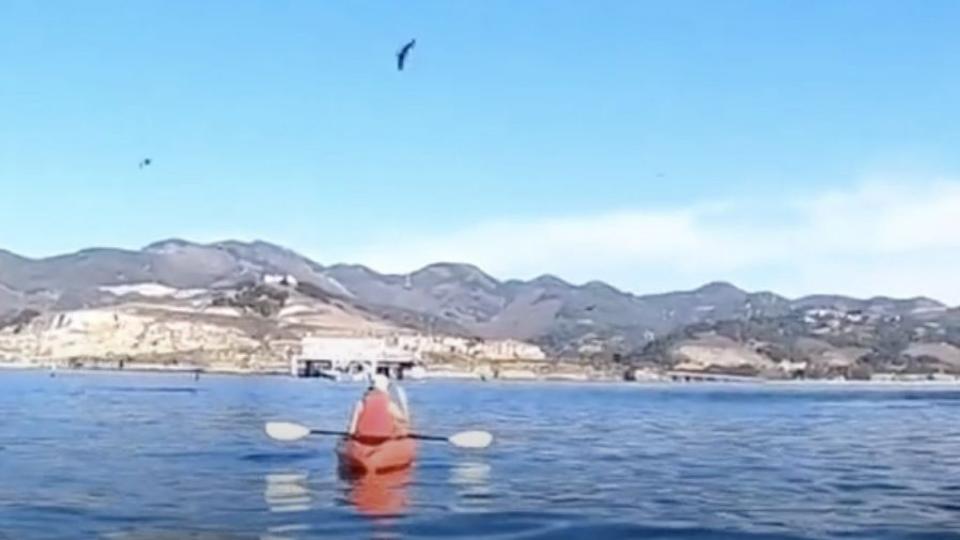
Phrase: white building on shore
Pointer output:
(337, 357)
(506, 349)
(351, 356)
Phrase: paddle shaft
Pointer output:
(290, 431)
(410, 436)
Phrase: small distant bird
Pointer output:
(145, 163)
(402, 54)
(590, 308)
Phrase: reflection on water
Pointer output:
(380, 494)
(471, 481)
(470, 474)
(287, 492)
(284, 532)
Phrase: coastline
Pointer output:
(140, 368)
(471, 377)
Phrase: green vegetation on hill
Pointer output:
(263, 300)
(826, 342)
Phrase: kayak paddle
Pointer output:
(289, 431)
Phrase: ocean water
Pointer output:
(136, 456)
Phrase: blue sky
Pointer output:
(653, 145)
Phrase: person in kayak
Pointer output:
(376, 417)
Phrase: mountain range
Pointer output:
(567, 320)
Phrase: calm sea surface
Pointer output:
(128, 456)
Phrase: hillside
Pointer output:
(818, 342)
(252, 326)
(77, 280)
(593, 320)
(582, 320)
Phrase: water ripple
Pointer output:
(156, 456)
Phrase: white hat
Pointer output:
(379, 382)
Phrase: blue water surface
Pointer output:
(147, 456)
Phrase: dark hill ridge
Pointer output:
(443, 297)
(64, 280)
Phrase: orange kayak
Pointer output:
(360, 458)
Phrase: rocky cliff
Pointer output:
(253, 327)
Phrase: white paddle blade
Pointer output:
(286, 431)
(471, 439)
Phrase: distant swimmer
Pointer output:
(145, 163)
(402, 54)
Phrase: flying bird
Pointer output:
(145, 163)
(402, 54)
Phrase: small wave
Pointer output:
(177, 535)
(278, 457)
(150, 389)
(614, 531)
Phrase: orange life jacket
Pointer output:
(375, 423)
